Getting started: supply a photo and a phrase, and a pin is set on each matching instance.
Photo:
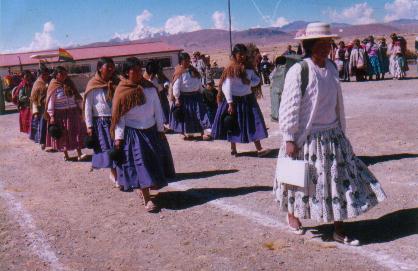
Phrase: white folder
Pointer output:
(293, 172)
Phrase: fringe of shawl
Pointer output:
(97, 82)
(127, 95)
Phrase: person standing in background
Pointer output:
(24, 91)
(383, 58)
(372, 50)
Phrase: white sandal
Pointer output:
(345, 240)
(82, 157)
(298, 231)
(113, 180)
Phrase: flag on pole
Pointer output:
(64, 55)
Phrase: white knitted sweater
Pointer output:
(297, 113)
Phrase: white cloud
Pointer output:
(41, 41)
(360, 13)
(280, 21)
(219, 20)
(141, 29)
(181, 23)
(173, 25)
(401, 9)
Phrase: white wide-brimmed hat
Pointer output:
(318, 30)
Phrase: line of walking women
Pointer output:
(123, 118)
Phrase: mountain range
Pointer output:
(215, 39)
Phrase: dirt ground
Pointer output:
(219, 213)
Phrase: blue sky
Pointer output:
(43, 24)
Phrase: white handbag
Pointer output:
(293, 172)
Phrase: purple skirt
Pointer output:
(143, 164)
(38, 129)
(104, 143)
(165, 105)
(251, 125)
(195, 115)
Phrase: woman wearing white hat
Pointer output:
(312, 121)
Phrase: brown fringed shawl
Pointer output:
(70, 90)
(38, 94)
(97, 82)
(127, 95)
(179, 70)
(234, 69)
(252, 63)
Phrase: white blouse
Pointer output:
(96, 106)
(234, 86)
(143, 116)
(186, 83)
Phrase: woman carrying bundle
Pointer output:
(38, 95)
(98, 113)
(138, 130)
(64, 103)
(240, 103)
(188, 101)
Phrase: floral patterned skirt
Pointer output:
(340, 185)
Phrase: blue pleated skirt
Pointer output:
(38, 129)
(195, 115)
(251, 125)
(145, 159)
(165, 105)
(104, 143)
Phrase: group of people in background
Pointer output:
(368, 59)
(123, 116)
(365, 59)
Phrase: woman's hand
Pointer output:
(291, 149)
(118, 144)
(90, 131)
(52, 120)
(177, 103)
(162, 135)
(231, 109)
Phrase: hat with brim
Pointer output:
(316, 31)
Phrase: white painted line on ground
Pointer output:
(36, 237)
(379, 257)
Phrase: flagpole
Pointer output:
(230, 28)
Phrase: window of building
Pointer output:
(78, 68)
(164, 62)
